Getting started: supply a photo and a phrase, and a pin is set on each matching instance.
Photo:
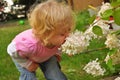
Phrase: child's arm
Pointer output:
(58, 55)
(32, 67)
(25, 62)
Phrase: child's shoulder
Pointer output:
(26, 35)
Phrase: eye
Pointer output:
(69, 29)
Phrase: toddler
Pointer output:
(50, 22)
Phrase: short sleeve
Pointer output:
(25, 48)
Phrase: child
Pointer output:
(51, 23)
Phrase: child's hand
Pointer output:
(33, 67)
(58, 57)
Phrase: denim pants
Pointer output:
(50, 68)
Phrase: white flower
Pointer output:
(118, 78)
(9, 2)
(89, 34)
(112, 41)
(107, 58)
(75, 43)
(104, 7)
(94, 68)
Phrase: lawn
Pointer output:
(72, 66)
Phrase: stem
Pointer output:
(96, 21)
(97, 49)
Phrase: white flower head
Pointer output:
(107, 58)
(75, 43)
(94, 68)
(89, 34)
(112, 41)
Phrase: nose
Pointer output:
(67, 34)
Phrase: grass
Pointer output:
(7, 68)
(71, 66)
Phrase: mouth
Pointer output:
(63, 41)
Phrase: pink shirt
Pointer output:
(27, 46)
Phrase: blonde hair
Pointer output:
(48, 16)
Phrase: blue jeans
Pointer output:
(50, 68)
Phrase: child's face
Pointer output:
(59, 36)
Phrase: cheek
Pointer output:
(62, 39)
(59, 40)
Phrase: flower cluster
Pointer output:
(75, 43)
(112, 41)
(78, 41)
(89, 34)
(104, 24)
(94, 68)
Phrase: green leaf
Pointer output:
(109, 63)
(106, 15)
(97, 30)
(115, 3)
(110, 66)
(114, 50)
(116, 16)
(91, 19)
